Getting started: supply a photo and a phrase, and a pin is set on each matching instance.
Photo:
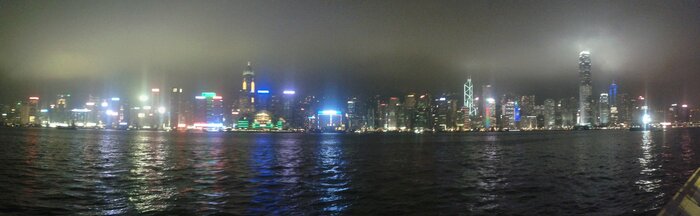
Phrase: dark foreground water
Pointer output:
(44, 171)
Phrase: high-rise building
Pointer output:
(355, 115)
(209, 109)
(440, 114)
(392, 114)
(604, 109)
(421, 118)
(549, 114)
(469, 98)
(489, 106)
(246, 98)
(585, 89)
(29, 112)
(409, 111)
(177, 109)
(612, 94)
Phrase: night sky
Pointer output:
(342, 48)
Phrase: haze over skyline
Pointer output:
(343, 48)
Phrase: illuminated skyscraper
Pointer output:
(469, 97)
(612, 94)
(604, 109)
(489, 106)
(246, 99)
(585, 89)
(209, 109)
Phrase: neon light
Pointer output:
(218, 97)
(289, 92)
(263, 91)
(199, 97)
(208, 94)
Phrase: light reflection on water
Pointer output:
(554, 173)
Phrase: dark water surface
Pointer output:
(44, 171)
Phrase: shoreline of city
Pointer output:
(264, 109)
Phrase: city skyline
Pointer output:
(349, 48)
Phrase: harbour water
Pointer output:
(93, 172)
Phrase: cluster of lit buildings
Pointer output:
(260, 109)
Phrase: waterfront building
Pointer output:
(209, 109)
(246, 97)
(549, 114)
(488, 106)
(177, 109)
(604, 109)
(469, 104)
(585, 89)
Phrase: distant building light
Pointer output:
(641, 98)
(329, 112)
(646, 119)
(90, 104)
(143, 98)
(104, 104)
(199, 97)
(289, 92)
(116, 99)
(111, 113)
(141, 115)
(80, 110)
(490, 100)
(685, 106)
(443, 99)
(44, 110)
(218, 97)
(351, 102)
(33, 98)
(155, 90)
(147, 107)
(161, 110)
(263, 91)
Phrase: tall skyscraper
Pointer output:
(549, 114)
(585, 89)
(177, 117)
(246, 99)
(604, 109)
(612, 94)
(489, 106)
(469, 97)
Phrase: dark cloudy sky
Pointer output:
(348, 47)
